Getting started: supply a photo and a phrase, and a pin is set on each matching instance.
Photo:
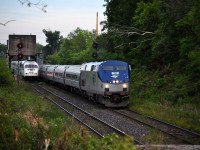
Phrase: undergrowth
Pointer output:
(32, 122)
(167, 97)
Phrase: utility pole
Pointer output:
(97, 26)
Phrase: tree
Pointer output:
(39, 47)
(3, 48)
(80, 39)
(73, 49)
(121, 33)
(54, 40)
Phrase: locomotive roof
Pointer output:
(87, 66)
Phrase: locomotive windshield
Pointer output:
(114, 67)
(121, 67)
(108, 67)
(114, 70)
(31, 66)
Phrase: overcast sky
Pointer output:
(62, 15)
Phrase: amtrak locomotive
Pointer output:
(106, 82)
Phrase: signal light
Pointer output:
(20, 56)
(94, 54)
(95, 45)
(20, 45)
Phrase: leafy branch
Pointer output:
(141, 42)
(125, 32)
(39, 5)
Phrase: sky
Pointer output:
(62, 15)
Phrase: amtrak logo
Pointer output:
(114, 74)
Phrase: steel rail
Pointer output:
(80, 109)
(186, 141)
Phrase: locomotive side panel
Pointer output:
(89, 82)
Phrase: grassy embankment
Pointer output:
(28, 121)
(172, 97)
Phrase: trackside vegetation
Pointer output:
(29, 121)
(165, 98)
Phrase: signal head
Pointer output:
(20, 56)
(94, 54)
(95, 45)
(20, 45)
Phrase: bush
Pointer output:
(5, 74)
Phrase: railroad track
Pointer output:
(186, 136)
(93, 123)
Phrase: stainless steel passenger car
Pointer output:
(72, 76)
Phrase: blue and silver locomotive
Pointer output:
(106, 82)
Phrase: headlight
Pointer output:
(106, 86)
(115, 81)
(124, 85)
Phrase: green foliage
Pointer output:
(120, 12)
(145, 14)
(5, 74)
(164, 94)
(74, 49)
(3, 48)
(27, 121)
(80, 40)
(39, 48)
(53, 39)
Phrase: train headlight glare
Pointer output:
(124, 85)
(106, 86)
(115, 81)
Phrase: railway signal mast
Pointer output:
(97, 26)
(95, 44)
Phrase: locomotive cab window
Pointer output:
(121, 68)
(31, 66)
(93, 68)
(108, 68)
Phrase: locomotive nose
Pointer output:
(115, 81)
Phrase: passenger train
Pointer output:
(106, 82)
(25, 69)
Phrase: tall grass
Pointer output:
(5, 74)
(31, 122)
(166, 98)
